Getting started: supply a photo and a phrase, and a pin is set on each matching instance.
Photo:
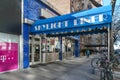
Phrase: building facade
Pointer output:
(18, 48)
(14, 33)
(10, 31)
(71, 6)
(38, 45)
(78, 5)
(81, 5)
(62, 5)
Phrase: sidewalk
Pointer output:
(54, 71)
(50, 71)
(81, 60)
(84, 59)
(117, 73)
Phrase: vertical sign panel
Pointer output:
(8, 56)
(8, 52)
(25, 45)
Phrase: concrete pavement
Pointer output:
(71, 69)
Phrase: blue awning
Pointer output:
(89, 21)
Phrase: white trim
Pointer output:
(28, 21)
(109, 46)
(73, 38)
(4, 37)
(21, 52)
(45, 13)
(21, 38)
(22, 9)
(9, 70)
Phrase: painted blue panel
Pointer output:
(77, 48)
(75, 37)
(76, 21)
(25, 46)
(99, 10)
(32, 9)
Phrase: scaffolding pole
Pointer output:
(109, 40)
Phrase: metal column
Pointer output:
(40, 50)
(109, 37)
(77, 50)
(33, 48)
(60, 53)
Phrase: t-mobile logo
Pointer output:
(3, 58)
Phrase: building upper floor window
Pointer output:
(89, 6)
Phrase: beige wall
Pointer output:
(62, 5)
(78, 5)
(99, 1)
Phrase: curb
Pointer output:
(117, 74)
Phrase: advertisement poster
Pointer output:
(8, 56)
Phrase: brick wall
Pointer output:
(65, 6)
(61, 5)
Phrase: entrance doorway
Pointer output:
(69, 47)
(35, 49)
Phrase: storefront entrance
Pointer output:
(42, 49)
(35, 49)
(97, 20)
(68, 47)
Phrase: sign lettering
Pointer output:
(77, 21)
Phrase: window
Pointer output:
(89, 6)
(72, 9)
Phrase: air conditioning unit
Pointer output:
(46, 13)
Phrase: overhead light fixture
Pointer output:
(56, 32)
(71, 31)
(77, 31)
(61, 32)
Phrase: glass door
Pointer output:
(35, 51)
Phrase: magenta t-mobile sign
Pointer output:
(8, 56)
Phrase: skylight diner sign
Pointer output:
(72, 21)
(83, 21)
